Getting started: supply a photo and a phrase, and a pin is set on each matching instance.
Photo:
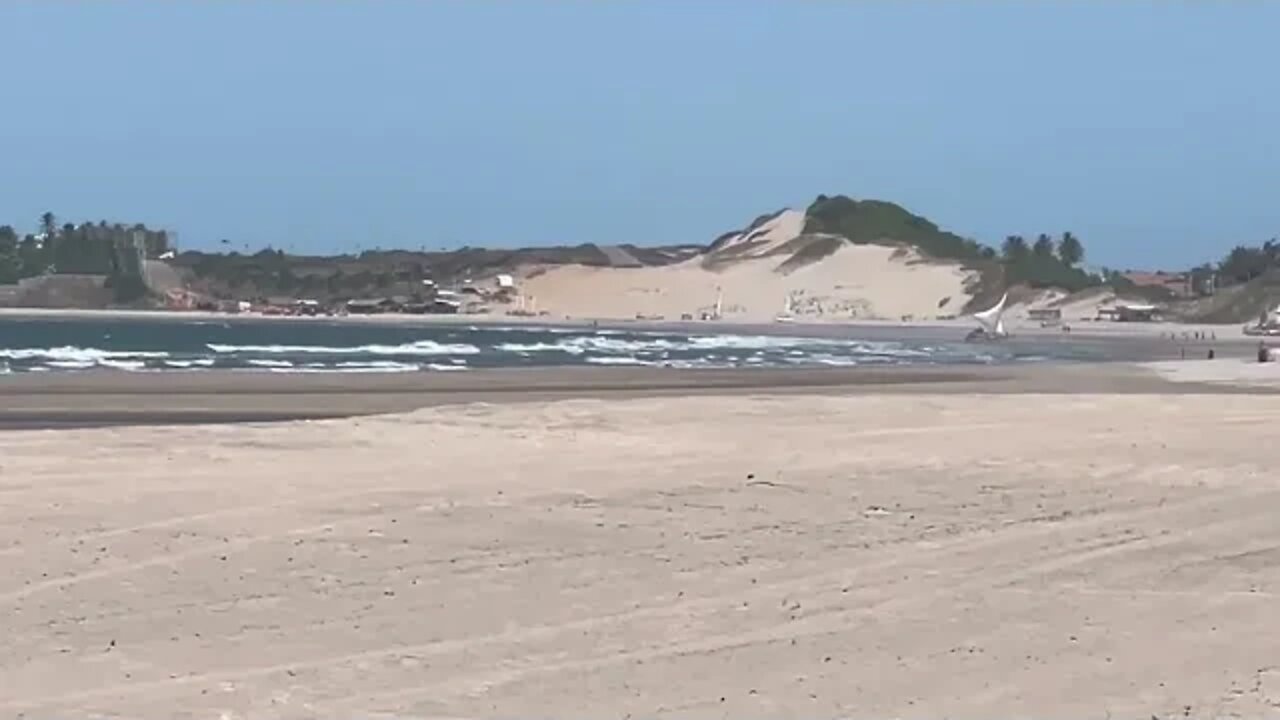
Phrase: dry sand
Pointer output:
(1236, 373)
(749, 272)
(874, 556)
(856, 282)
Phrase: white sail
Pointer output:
(785, 315)
(992, 319)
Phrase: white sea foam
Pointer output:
(527, 328)
(665, 344)
(70, 364)
(378, 366)
(271, 363)
(124, 364)
(836, 361)
(370, 366)
(421, 347)
(198, 362)
(526, 348)
(70, 353)
(619, 361)
(600, 347)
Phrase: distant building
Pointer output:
(445, 307)
(506, 282)
(1177, 284)
(1045, 316)
(1130, 313)
(370, 306)
(306, 307)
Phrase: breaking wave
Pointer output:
(70, 353)
(422, 347)
(153, 346)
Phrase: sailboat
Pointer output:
(1268, 324)
(785, 316)
(990, 323)
(716, 310)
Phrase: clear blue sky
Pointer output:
(1150, 129)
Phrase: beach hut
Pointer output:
(370, 306)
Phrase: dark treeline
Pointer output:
(1047, 262)
(1244, 263)
(115, 250)
(111, 249)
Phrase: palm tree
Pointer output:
(1043, 246)
(1070, 251)
(49, 226)
(8, 240)
(1014, 248)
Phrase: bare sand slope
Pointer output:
(857, 281)
(701, 557)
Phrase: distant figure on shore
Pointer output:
(1263, 354)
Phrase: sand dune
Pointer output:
(760, 272)
(962, 556)
(768, 238)
(855, 282)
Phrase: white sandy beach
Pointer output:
(924, 556)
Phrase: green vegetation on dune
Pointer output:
(1046, 263)
(875, 221)
(1244, 263)
(1247, 281)
(1043, 264)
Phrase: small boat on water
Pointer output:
(990, 323)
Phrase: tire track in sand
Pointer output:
(943, 553)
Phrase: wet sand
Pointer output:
(1090, 546)
(95, 398)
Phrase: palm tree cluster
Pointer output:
(1066, 249)
(100, 248)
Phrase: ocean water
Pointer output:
(149, 345)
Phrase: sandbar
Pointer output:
(107, 397)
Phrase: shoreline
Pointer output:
(804, 327)
(109, 398)
(1127, 342)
